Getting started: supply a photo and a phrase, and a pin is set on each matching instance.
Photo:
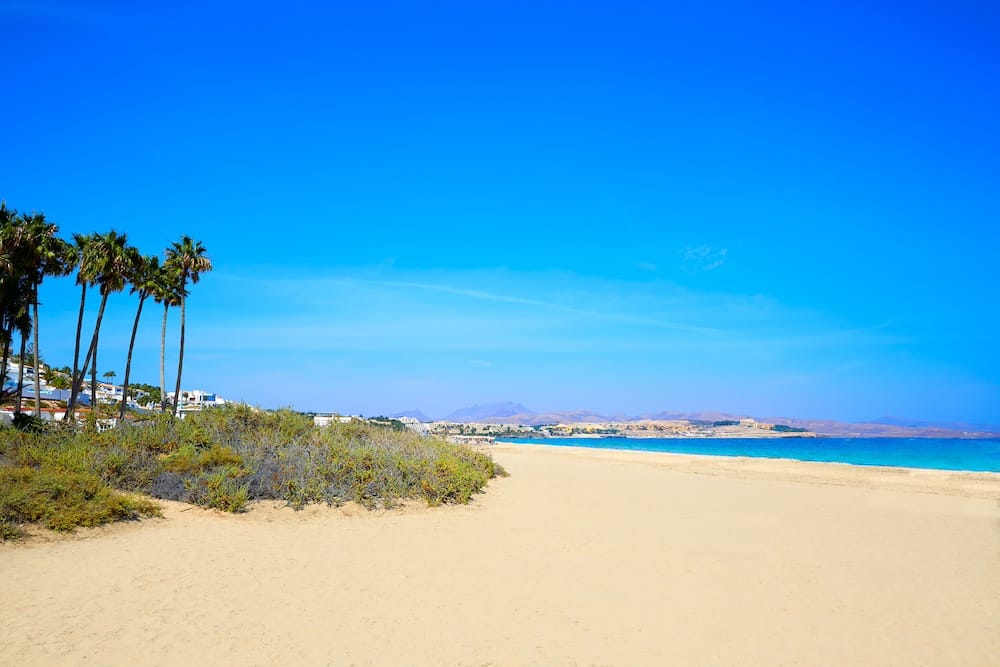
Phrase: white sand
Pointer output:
(581, 557)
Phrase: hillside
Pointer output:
(515, 413)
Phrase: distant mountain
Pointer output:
(540, 418)
(415, 414)
(833, 428)
(515, 413)
(889, 427)
(917, 423)
(491, 411)
(708, 416)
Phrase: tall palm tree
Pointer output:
(10, 287)
(84, 246)
(145, 280)
(165, 292)
(113, 260)
(28, 250)
(15, 288)
(46, 255)
(188, 258)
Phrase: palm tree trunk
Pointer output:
(8, 336)
(76, 354)
(163, 354)
(38, 379)
(180, 356)
(128, 361)
(92, 351)
(93, 378)
(20, 375)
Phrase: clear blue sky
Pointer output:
(771, 208)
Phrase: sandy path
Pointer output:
(581, 557)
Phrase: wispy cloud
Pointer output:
(498, 310)
(548, 305)
(543, 335)
(703, 258)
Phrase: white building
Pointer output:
(196, 399)
(327, 418)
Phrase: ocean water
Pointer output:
(933, 453)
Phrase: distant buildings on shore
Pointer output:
(478, 433)
(107, 393)
(327, 418)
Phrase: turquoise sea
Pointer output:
(933, 453)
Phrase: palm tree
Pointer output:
(60, 381)
(82, 248)
(188, 258)
(14, 287)
(46, 255)
(145, 280)
(112, 262)
(29, 250)
(166, 292)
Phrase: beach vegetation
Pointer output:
(390, 422)
(62, 499)
(61, 476)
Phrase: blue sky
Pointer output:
(773, 208)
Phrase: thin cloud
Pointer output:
(703, 258)
(489, 296)
(367, 312)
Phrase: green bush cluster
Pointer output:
(62, 499)
(224, 458)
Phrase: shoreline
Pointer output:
(543, 442)
(973, 484)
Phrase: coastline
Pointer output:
(973, 484)
(860, 452)
(581, 556)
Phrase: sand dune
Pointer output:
(581, 557)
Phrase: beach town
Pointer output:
(53, 398)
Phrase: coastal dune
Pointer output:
(580, 557)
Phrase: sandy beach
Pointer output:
(580, 557)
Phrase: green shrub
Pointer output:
(219, 456)
(63, 500)
(222, 489)
(183, 460)
(226, 457)
(30, 423)
(10, 531)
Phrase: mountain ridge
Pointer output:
(515, 413)
(478, 413)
